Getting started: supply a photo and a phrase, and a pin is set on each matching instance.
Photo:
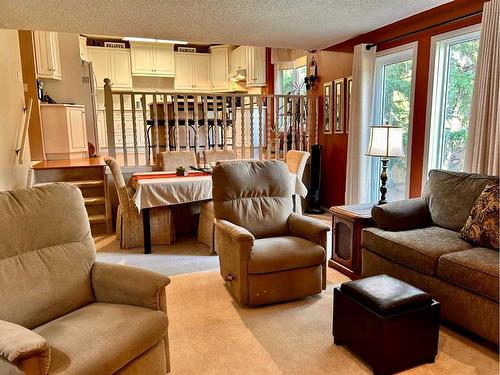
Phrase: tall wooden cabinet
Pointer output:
(48, 60)
(256, 66)
(219, 67)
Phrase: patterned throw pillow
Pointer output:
(481, 228)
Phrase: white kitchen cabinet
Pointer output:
(256, 66)
(238, 59)
(83, 48)
(154, 60)
(219, 67)
(48, 60)
(112, 63)
(64, 131)
(192, 71)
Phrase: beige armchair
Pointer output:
(129, 224)
(296, 162)
(267, 253)
(60, 310)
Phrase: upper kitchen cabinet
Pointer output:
(238, 59)
(83, 48)
(219, 67)
(192, 71)
(256, 66)
(153, 60)
(48, 61)
(112, 63)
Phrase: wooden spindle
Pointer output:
(276, 128)
(195, 109)
(165, 118)
(293, 123)
(285, 124)
(269, 107)
(301, 123)
(186, 122)
(176, 117)
(260, 127)
(134, 130)
(124, 135)
(233, 122)
(242, 110)
(215, 128)
(224, 122)
(110, 118)
(205, 117)
(147, 141)
(251, 128)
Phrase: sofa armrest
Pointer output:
(115, 283)
(402, 215)
(24, 349)
(308, 228)
(234, 231)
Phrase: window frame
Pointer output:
(290, 65)
(386, 57)
(436, 90)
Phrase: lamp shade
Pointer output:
(386, 142)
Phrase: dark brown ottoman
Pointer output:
(390, 324)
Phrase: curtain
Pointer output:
(357, 186)
(482, 151)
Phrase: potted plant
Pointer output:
(181, 171)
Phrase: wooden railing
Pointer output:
(140, 125)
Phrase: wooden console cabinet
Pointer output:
(347, 224)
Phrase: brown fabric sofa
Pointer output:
(267, 254)
(417, 241)
(61, 312)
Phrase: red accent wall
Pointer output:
(336, 62)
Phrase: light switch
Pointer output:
(19, 76)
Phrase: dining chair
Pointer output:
(171, 160)
(296, 162)
(129, 218)
(206, 227)
(213, 156)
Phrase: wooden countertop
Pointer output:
(76, 163)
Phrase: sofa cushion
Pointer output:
(419, 249)
(475, 269)
(284, 253)
(101, 338)
(451, 195)
(481, 228)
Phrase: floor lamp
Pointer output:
(385, 142)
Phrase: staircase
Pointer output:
(89, 176)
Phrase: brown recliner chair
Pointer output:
(267, 254)
(60, 310)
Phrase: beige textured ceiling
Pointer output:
(312, 24)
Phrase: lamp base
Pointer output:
(383, 179)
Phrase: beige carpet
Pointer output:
(210, 334)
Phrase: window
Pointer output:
(290, 77)
(453, 67)
(393, 102)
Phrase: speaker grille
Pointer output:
(343, 237)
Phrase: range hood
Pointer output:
(238, 75)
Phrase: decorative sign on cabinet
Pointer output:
(48, 61)
(192, 71)
(149, 59)
(112, 63)
(64, 131)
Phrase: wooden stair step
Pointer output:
(94, 201)
(86, 183)
(97, 219)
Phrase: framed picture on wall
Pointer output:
(348, 93)
(327, 107)
(338, 113)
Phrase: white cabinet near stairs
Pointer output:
(48, 60)
(152, 59)
(192, 71)
(64, 131)
(112, 63)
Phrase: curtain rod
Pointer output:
(370, 46)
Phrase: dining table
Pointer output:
(158, 189)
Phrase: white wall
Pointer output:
(72, 89)
(12, 174)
